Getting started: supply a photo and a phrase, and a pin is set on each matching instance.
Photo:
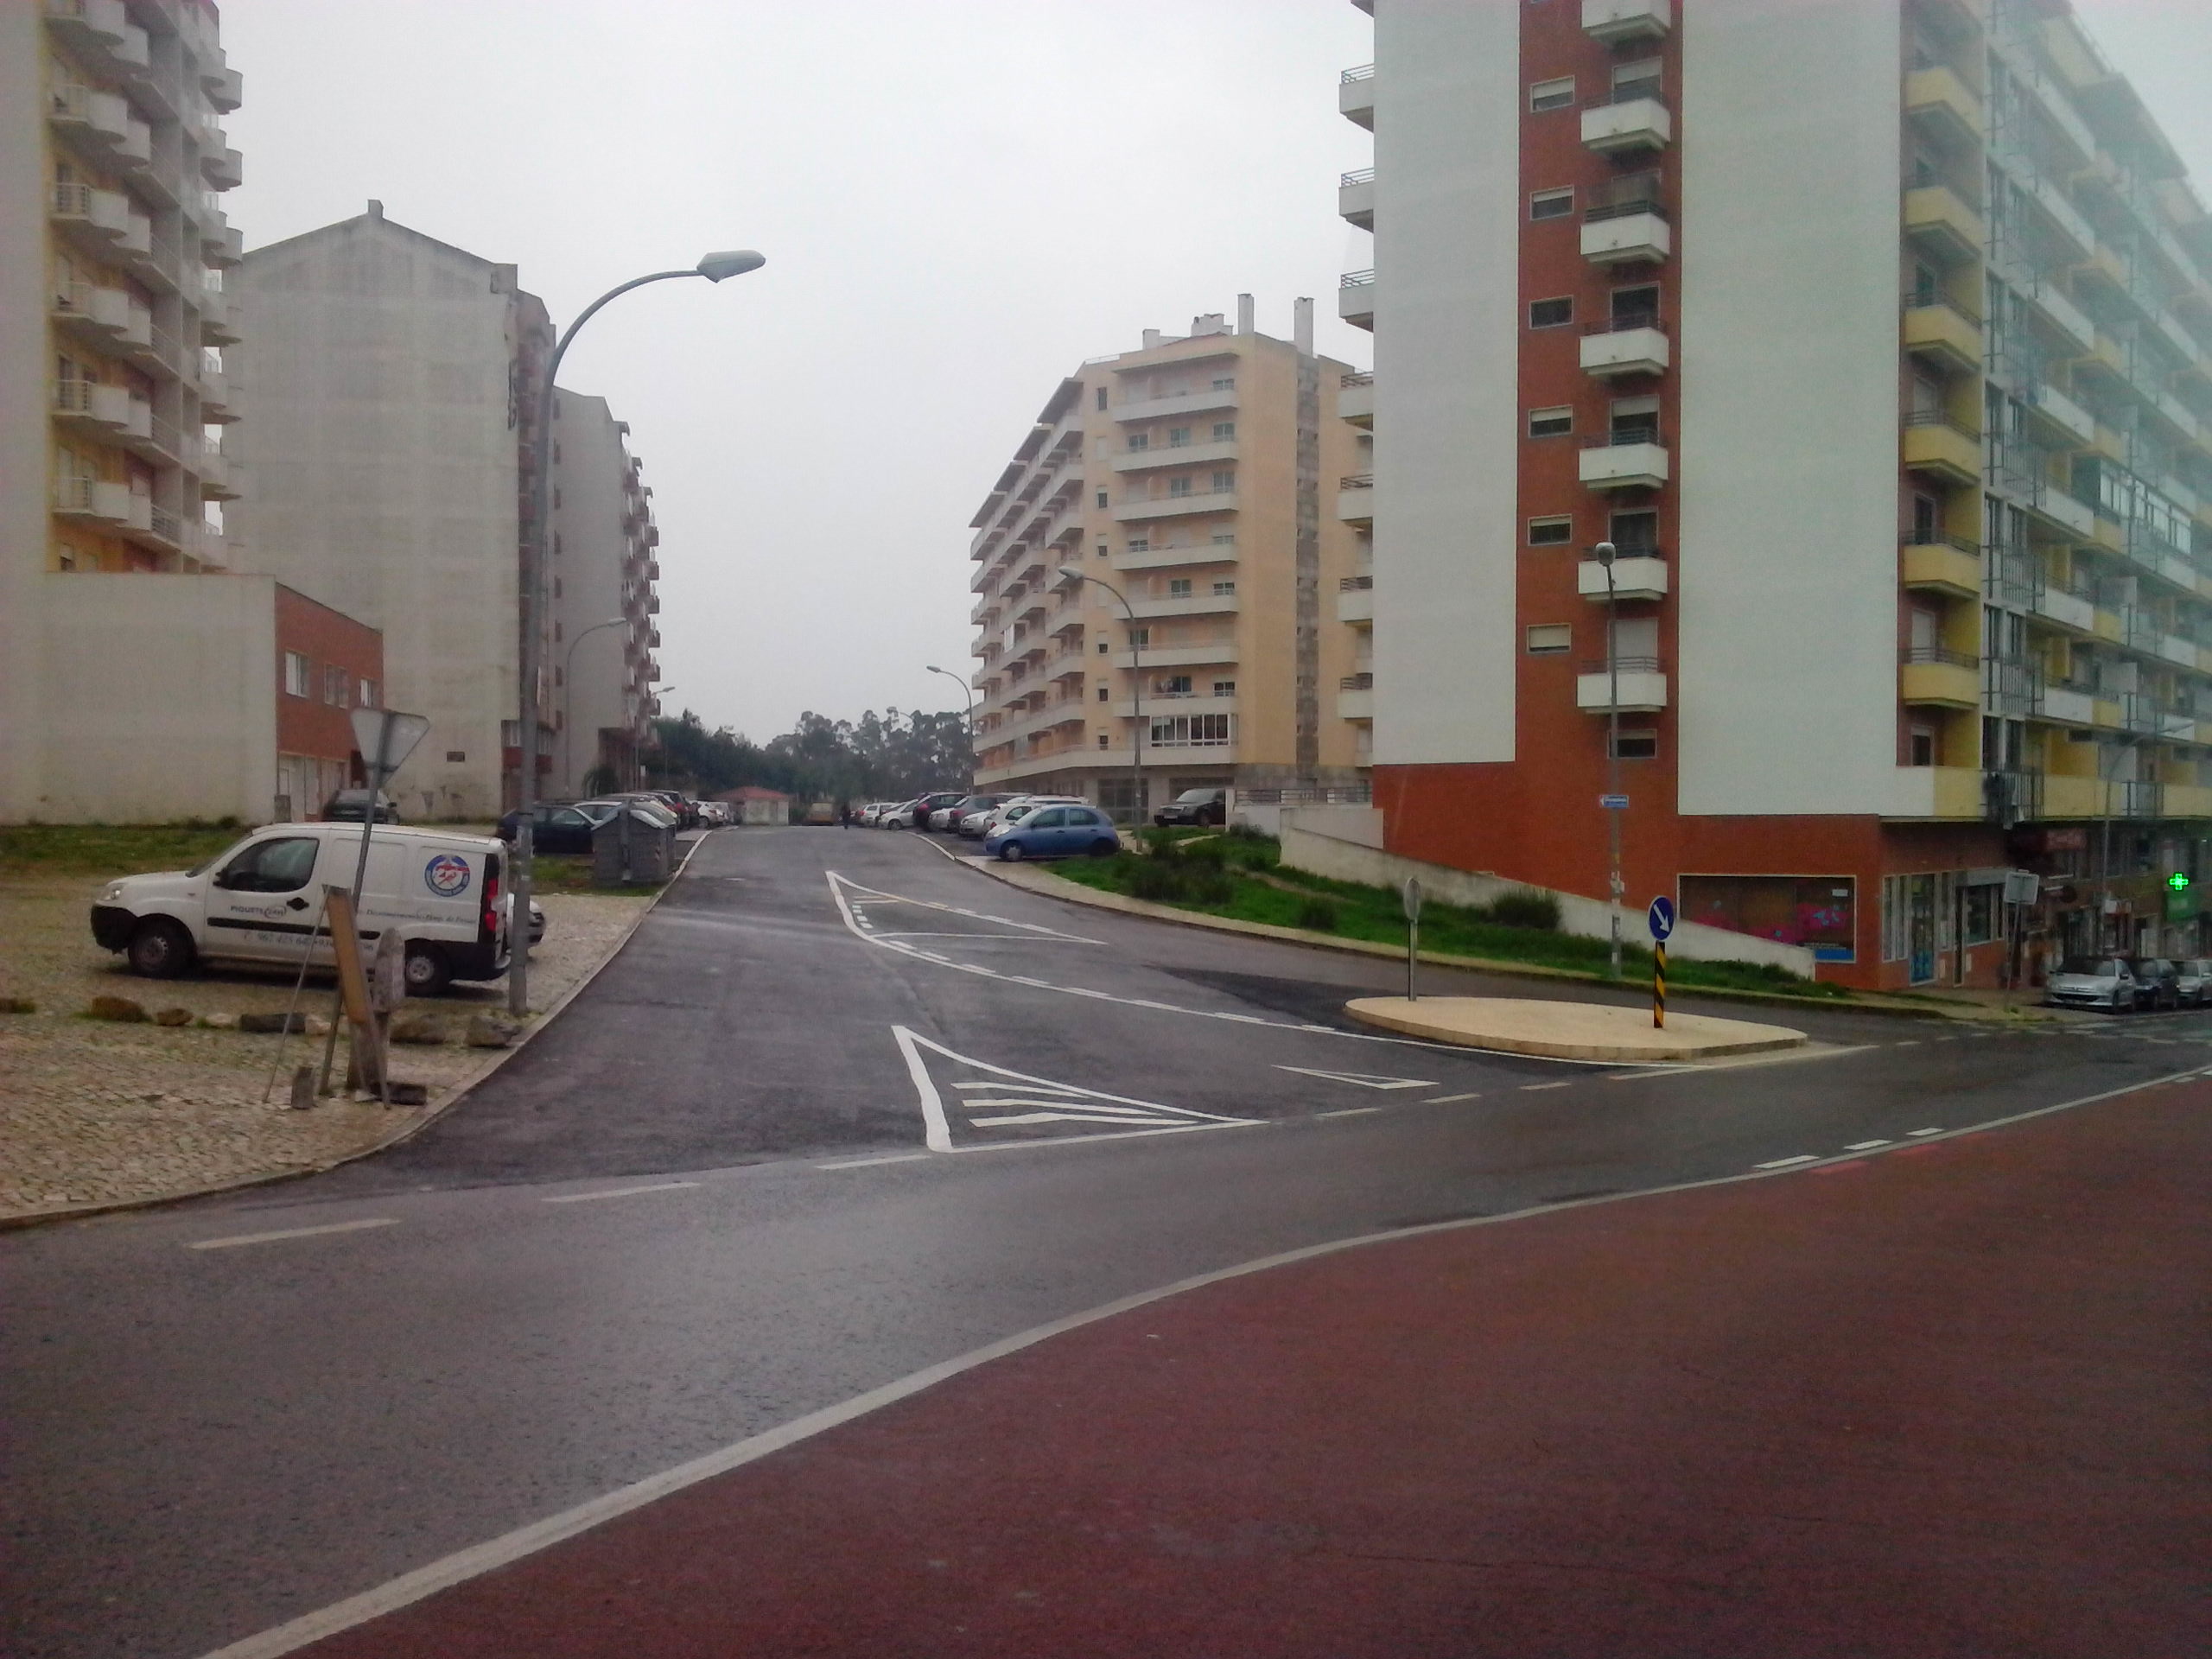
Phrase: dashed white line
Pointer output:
(1917, 1134)
(1349, 1111)
(1913, 1042)
(1447, 1100)
(869, 1163)
(1526, 1087)
(237, 1239)
(618, 1192)
(1866, 1145)
(1784, 1163)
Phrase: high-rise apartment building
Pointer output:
(1212, 480)
(113, 316)
(392, 383)
(1876, 336)
(605, 559)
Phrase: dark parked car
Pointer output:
(2158, 983)
(347, 805)
(1195, 806)
(556, 827)
(929, 806)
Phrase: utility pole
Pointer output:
(1614, 808)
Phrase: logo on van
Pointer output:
(447, 875)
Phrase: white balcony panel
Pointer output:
(1213, 653)
(1189, 454)
(1356, 304)
(1355, 604)
(1356, 99)
(1184, 605)
(1174, 507)
(1355, 203)
(1189, 403)
(1640, 236)
(1356, 505)
(2063, 314)
(1616, 21)
(1633, 123)
(1159, 707)
(1627, 351)
(1356, 705)
(1624, 466)
(1633, 578)
(1356, 404)
(1161, 558)
(1643, 692)
(2062, 703)
(2062, 509)
(2070, 610)
(2065, 412)
(2175, 649)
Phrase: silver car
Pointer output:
(2107, 982)
(2194, 982)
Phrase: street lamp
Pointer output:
(568, 686)
(967, 691)
(1077, 573)
(714, 267)
(1605, 552)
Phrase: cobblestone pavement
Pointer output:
(96, 1112)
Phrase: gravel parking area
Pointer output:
(95, 1112)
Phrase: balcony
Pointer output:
(214, 470)
(215, 404)
(1940, 222)
(2068, 704)
(1936, 444)
(1356, 696)
(1174, 507)
(94, 219)
(1356, 96)
(1944, 333)
(1162, 558)
(2067, 318)
(1356, 198)
(1637, 577)
(156, 528)
(1631, 459)
(1356, 299)
(220, 243)
(99, 29)
(2074, 423)
(98, 120)
(1192, 604)
(99, 314)
(1942, 564)
(1636, 233)
(1938, 793)
(1937, 677)
(1621, 22)
(1642, 686)
(1356, 400)
(1355, 601)
(1625, 345)
(1630, 120)
(1189, 454)
(1355, 499)
(1214, 653)
(1943, 106)
(100, 503)
(106, 411)
(222, 167)
(1158, 705)
(217, 326)
(225, 89)
(1189, 403)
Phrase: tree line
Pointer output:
(879, 757)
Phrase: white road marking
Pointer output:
(1361, 1079)
(619, 1193)
(1867, 1145)
(1915, 1042)
(1056, 1117)
(1919, 1134)
(1349, 1111)
(1447, 1100)
(509, 1547)
(870, 1163)
(1784, 1163)
(956, 910)
(237, 1239)
(998, 1102)
(1527, 1086)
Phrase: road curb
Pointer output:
(493, 1061)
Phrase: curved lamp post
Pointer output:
(967, 691)
(1605, 553)
(568, 682)
(714, 267)
(1077, 573)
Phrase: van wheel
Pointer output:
(160, 949)
(427, 971)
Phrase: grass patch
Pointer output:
(102, 850)
(571, 872)
(1240, 878)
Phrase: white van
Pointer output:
(261, 902)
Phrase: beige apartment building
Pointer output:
(1210, 485)
(1876, 337)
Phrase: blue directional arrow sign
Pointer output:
(1662, 916)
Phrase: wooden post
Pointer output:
(366, 1069)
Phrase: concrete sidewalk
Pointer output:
(1945, 1401)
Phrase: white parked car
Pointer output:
(260, 901)
(1017, 807)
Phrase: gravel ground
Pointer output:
(96, 1112)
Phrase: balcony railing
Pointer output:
(1939, 417)
(1356, 682)
(1363, 72)
(1626, 434)
(1355, 584)
(1940, 539)
(1628, 93)
(1923, 301)
(1357, 278)
(1938, 654)
(1624, 665)
(1356, 377)
(1359, 176)
(1357, 482)
(1622, 325)
(1632, 192)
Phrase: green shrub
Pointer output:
(1160, 841)
(1210, 853)
(1210, 884)
(1157, 880)
(1526, 907)
(1318, 914)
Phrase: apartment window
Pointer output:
(1224, 688)
(1223, 431)
(335, 681)
(1551, 204)
(1225, 538)
(1551, 94)
(1550, 313)
(1634, 420)
(1227, 383)
(1102, 396)
(1635, 531)
(65, 557)
(1179, 587)
(1102, 647)
(1102, 739)
(1175, 685)
(1180, 486)
(1140, 545)
(455, 757)
(367, 693)
(1140, 638)
(1223, 482)
(1550, 423)
(1179, 437)
(1923, 746)
(1639, 80)
(1550, 640)
(1102, 549)
(1139, 441)
(1637, 746)
(1555, 532)
(1224, 590)
(1897, 919)
(1635, 308)
(1102, 693)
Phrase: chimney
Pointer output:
(1152, 340)
(1301, 325)
(376, 208)
(1243, 313)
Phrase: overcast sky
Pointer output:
(960, 200)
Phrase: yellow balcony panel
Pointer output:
(1945, 335)
(2105, 713)
(1953, 568)
(1945, 106)
(1938, 219)
(2108, 532)
(1939, 447)
(2109, 444)
(2188, 801)
(1938, 792)
(2071, 798)
(1939, 679)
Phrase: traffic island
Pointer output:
(1568, 1030)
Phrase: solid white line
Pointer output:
(936, 1134)
(291, 1232)
(1918, 1133)
(1059, 1117)
(1445, 1100)
(479, 1559)
(1867, 1145)
(1784, 1163)
(1349, 1111)
(619, 1193)
(870, 1163)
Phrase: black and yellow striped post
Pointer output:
(1659, 986)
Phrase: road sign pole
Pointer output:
(1410, 898)
(1659, 987)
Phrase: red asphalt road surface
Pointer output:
(1949, 1399)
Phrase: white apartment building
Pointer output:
(605, 614)
(1212, 482)
(1876, 335)
(390, 383)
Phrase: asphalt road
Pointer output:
(842, 1110)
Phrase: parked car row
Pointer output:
(2131, 984)
(1010, 827)
(567, 826)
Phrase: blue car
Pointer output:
(1055, 832)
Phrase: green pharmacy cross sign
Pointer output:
(2178, 881)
